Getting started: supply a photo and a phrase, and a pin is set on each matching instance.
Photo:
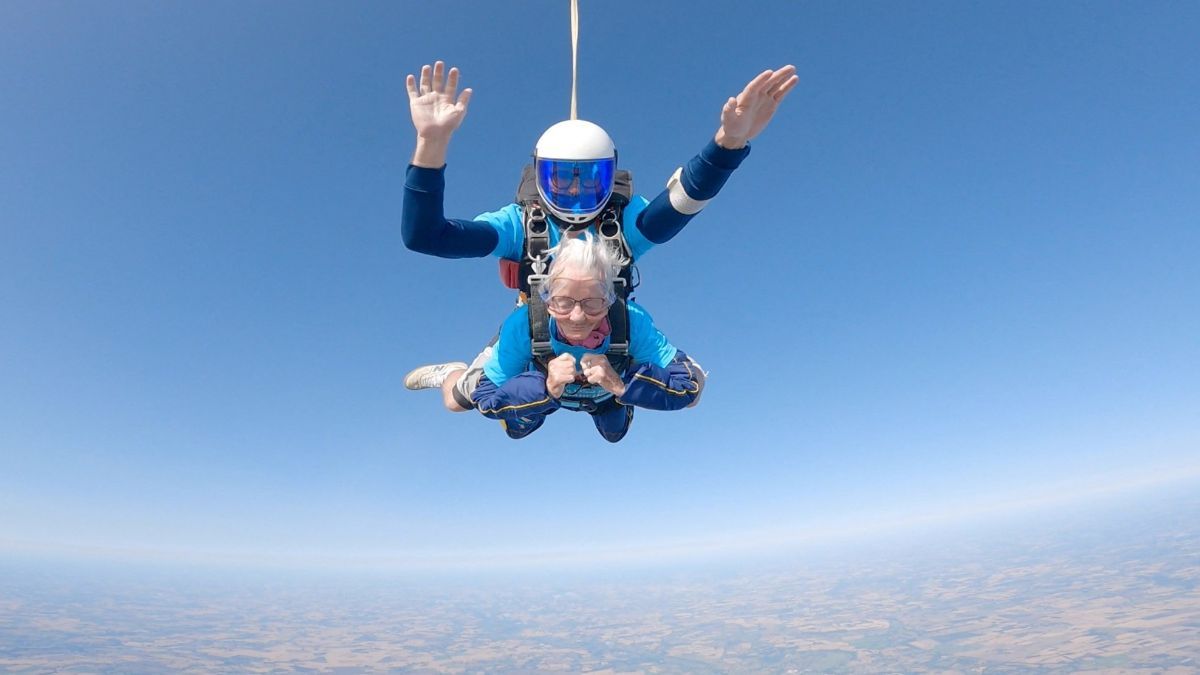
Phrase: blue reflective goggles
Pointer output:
(575, 186)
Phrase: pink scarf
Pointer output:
(594, 339)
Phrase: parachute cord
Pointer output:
(574, 54)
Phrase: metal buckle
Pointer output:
(537, 219)
(609, 229)
(538, 238)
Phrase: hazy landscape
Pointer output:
(1112, 588)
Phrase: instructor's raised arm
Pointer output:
(694, 184)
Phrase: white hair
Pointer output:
(587, 254)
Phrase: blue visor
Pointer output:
(574, 186)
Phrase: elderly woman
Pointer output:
(520, 391)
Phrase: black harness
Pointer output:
(535, 263)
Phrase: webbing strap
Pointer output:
(618, 321)
(535, 262)
(574, 55)
(539, 323)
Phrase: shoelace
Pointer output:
(434, 377)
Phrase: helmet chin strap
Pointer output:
(575, 228)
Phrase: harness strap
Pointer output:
(537, 241)
(618, 320)
(539, 323)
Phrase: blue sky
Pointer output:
(958, 267)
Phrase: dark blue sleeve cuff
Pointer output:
(425, 180)
(723, 157)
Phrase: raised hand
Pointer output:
(436, 106)
(598, 371)
(560, 372)
(747, 114)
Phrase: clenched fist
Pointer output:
(559, 373)
(598, 371)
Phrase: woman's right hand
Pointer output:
(559, 373)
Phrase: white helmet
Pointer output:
(575, 162)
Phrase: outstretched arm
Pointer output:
(661, 377)
(692, 186)
(675, 386)
(648, 385)
(437, 111)
(520, 396)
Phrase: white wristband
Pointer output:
(680, 201)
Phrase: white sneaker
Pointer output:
(431, 377)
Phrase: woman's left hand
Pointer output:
(599, 372)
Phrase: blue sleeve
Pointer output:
(660, 376)
(510, 231)
(424, 227)
(513, 352)
(670, 387)
(702, 178)
(521, 396)
(647, 344)
(638, 243)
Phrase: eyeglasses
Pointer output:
(561, 304)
